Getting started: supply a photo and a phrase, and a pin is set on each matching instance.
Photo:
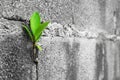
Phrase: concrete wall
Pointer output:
(82, 41)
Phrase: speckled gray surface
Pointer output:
(67, 59)
(81, 42)
(15, 57)
(90, 14)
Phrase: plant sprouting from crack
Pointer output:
(35, 30)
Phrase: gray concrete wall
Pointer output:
(82, 41)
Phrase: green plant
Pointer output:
(35, 30)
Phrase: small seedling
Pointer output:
(35, 30)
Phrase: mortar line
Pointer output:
(81, 34)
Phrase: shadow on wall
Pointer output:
(15, 63)
(71, 60)
(101, 62)
(108, 60)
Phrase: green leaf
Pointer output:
(39, 47)
(28, 31)
(40, 30)
(38, 37)
(35, 23)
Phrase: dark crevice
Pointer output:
(6, 27)
(15, 18)
(27, 22)
(36, 71)
(35, 59)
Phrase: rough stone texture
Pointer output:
(15, 57)
(97, 15)
(107, 59)
(80, 43)
(67, 59)
(56, 11)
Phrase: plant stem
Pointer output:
(33, 52)
(34, 59)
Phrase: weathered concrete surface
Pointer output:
(110, 59)
(97, 15)
(113, 60)
(79, 59)
(72, 49)
(15, 57)
(65, 55)
(67, 59)
(107, 59)
(56, 11)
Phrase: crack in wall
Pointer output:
(37, 72)
(68, 30)
(15, 18)
(20, 19)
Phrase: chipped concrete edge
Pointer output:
(69, 30)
